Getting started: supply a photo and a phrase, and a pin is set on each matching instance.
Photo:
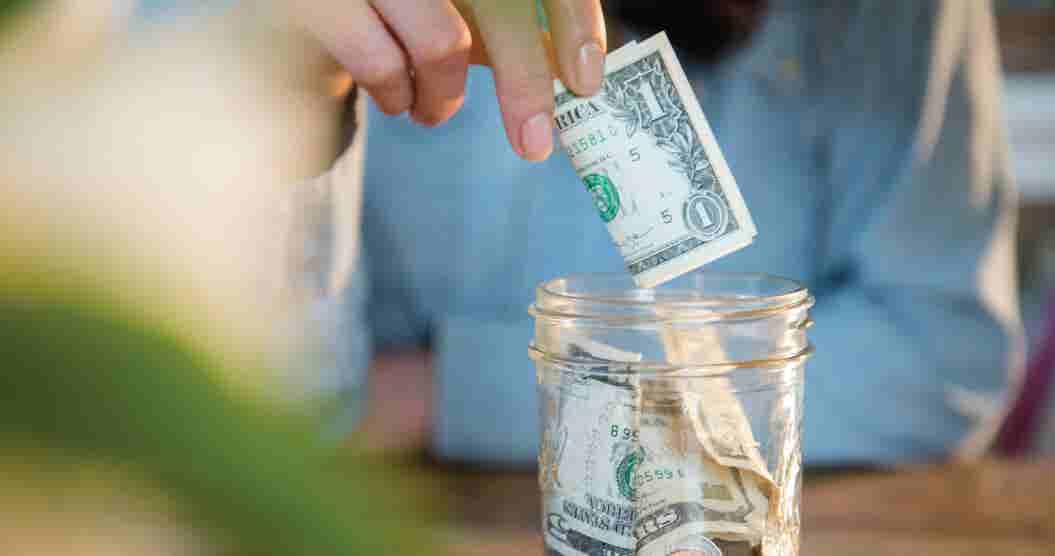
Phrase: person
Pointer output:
(866, 140)
(413, 57)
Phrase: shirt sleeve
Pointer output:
(916, 305)
(330, 284)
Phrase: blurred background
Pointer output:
(1026, 45)
(128, 234)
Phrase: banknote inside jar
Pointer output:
(671, 416)
(651, 468)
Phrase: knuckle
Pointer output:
(397, 101)
(381, 70)
(391, 107)
(430, 119)
(438, 114)
(392, 100)
(448, 46)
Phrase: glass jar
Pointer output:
(671, 418)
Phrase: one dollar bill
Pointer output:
(685, 502)
(645, 152)
(586, 453)
(622, 475)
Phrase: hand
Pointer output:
(414, 54)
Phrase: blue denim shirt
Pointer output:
(866, 141)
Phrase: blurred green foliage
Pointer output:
(94, 385)
(9, 8)
(88, 383)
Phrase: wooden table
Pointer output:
(985, 509)
(991, 508)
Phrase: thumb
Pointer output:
(478, 54)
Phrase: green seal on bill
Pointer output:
(624, 472)
(605, 195)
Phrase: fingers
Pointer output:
(415, 55)
(478, 52)
(437, 42)
(579, 40)
(355, 34)
(522, 74)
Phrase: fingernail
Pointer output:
(536, 137)
(590, 68)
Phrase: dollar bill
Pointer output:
(583, 348)
(683, 498)
(717, 414)
(646, 153)
(588, 444)
(586, 508)
(718, 433)
(626, 468)
(724, 430)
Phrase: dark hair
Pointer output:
(703, 30)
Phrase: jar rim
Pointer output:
(779, 364)
(699, 296)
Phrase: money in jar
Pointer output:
(663, 432)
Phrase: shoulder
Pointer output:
(843, 50)
(863, 48)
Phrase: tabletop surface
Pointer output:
(985, 508)
(992, 507)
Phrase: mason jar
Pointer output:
(671, 418)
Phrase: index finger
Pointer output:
(523, 79)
